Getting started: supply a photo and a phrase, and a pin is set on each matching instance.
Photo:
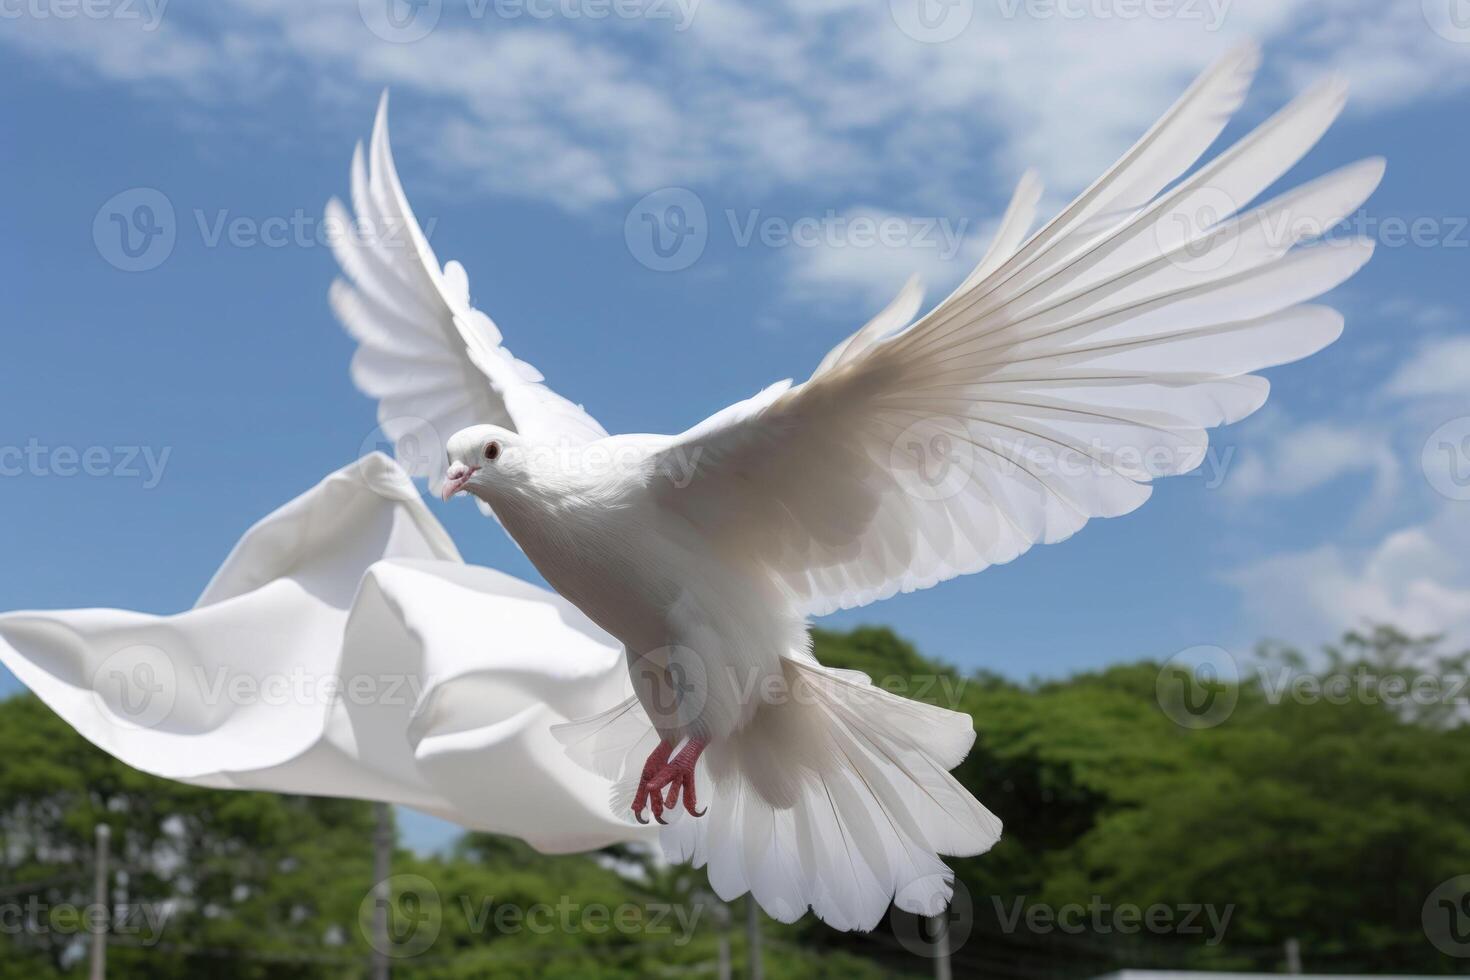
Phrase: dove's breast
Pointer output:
(661, 592)
(610, 562)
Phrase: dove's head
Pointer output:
(482, 458)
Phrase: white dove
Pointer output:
(1066, 372)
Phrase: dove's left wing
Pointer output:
(434, 362)
(1054, 384)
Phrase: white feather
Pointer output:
(433, 362)
(1063, 375)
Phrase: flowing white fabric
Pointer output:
(344, 649)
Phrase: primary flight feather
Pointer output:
(1070, 369)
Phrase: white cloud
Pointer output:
(1280, 458)
(1417, 578)
(1439, 367)
(831, 98)
(1416, 312)
(128, 50)
(869, 253)
(1391, 52)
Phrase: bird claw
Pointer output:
(666, 780)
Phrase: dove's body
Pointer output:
(1070, 369)
(687, 617)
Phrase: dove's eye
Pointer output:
(492, 451)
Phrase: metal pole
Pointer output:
(1293, 956)
(100, 898)
(753, 938)
(724, 969)
(382, 890)
(940, 924)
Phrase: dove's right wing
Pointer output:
(1059, 379)
(434, 362)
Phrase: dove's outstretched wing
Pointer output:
(434, 362)
(1060, 378)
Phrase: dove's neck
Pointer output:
(583, 537)
(546, 493)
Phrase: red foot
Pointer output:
(665, 778)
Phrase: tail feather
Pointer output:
(836, 797)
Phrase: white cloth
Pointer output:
(344, 649)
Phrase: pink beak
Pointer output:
(456, 477)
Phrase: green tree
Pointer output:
(208, 877)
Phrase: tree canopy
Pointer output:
(1326, 805)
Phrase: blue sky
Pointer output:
(213, 387)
